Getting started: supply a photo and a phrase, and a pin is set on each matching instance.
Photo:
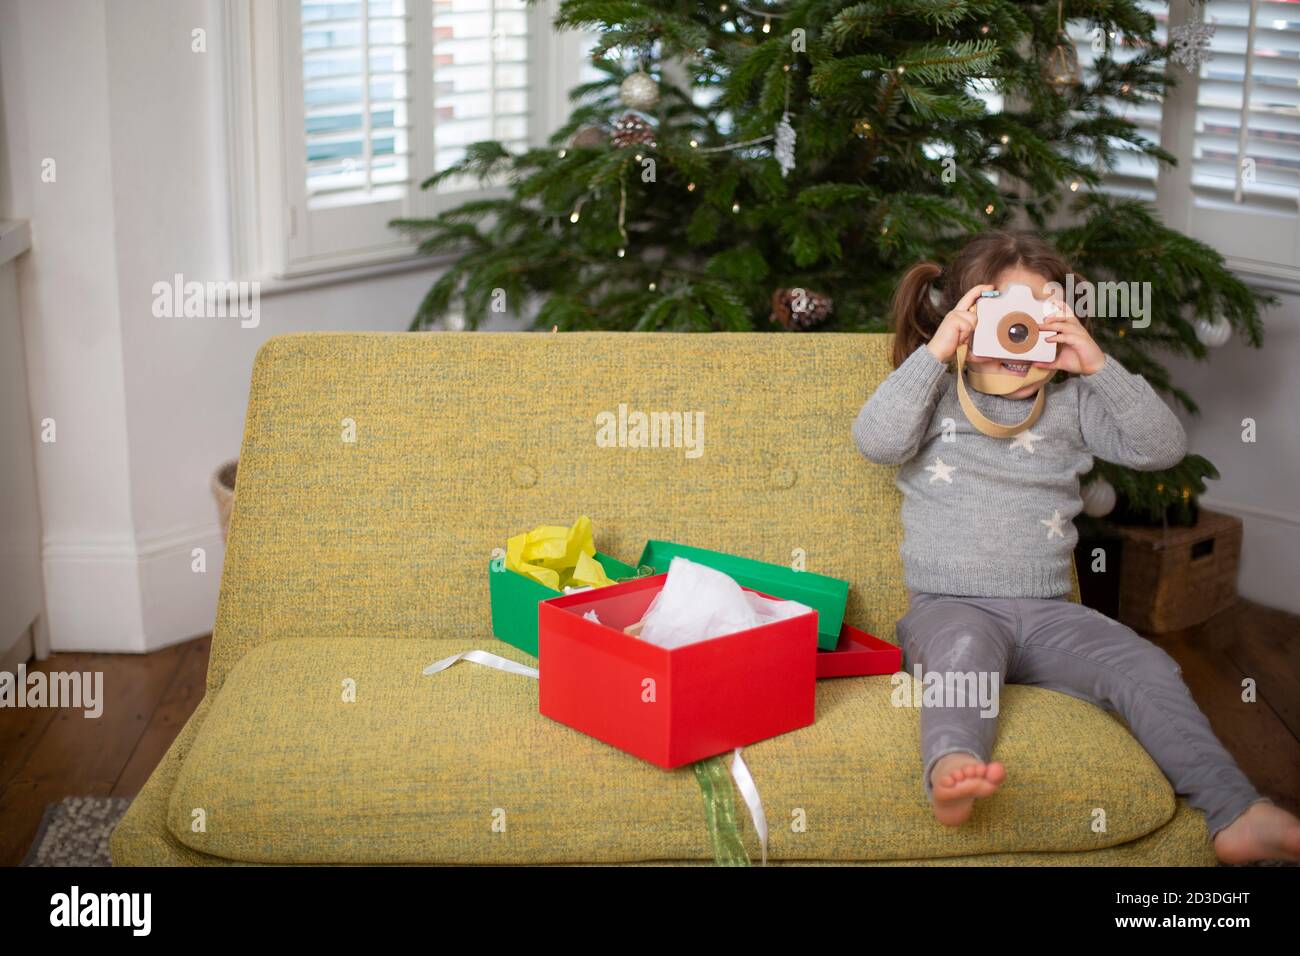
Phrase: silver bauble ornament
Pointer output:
(1099, 498)
(1213, 332)
(639, 91)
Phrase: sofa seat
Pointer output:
(418, 769)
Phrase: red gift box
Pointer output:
(671, 707)
(859, 654)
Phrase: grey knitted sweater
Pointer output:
(993, 517)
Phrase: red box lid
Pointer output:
(859, 654)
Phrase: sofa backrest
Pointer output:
(460, 440)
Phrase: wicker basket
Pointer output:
(223, 489)
(1174, 578)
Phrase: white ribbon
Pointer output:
(484, 658)
(749, 793)
(739, 769)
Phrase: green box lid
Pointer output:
(828, 596)
(514, 598)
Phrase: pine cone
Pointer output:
(590, 137)
(798, 310)
(632, 130)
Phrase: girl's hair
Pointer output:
(916, 316)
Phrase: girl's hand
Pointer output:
(957, 326)
(1075, 349)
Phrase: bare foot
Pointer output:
(1263, 832)
(957, 781)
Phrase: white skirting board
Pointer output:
(125, 597)
(1270, 553)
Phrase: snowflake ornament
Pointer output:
(1191, 44)
(784, 150)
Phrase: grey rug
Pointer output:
(75, 831)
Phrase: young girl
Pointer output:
(990, 482)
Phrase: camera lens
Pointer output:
(1017, 333)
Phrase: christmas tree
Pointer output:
(749, 167)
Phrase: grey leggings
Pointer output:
(1063, 646)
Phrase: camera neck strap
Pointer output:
(995, 384)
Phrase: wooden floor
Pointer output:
(46, 755)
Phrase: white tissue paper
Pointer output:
(698, 602)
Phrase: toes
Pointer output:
(971, 774)
(1291, 842)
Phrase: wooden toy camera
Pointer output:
(1009, 327)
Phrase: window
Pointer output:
(1245, 170)
(356, 103)
(1234, 124)
(480, 76)
(1134, 174)
(339, 109)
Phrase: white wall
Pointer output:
(1259, 482)
(21, 589)
(54, 64)
(146, 407)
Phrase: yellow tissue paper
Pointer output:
(557, 557)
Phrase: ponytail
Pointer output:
(914, 314)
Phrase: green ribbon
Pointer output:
(720, 812)
(642, 571)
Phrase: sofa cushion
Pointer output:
(426, 769)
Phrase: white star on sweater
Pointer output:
(1054, 524)
(940, 471)
(1025, 440)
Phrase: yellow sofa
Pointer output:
(362, 561)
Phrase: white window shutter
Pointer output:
(480, 74)
(1246, 164)
(1234, 124)
(351, 140)
(338, 110)
(1134, 174)
(356, 104)
(1248, 107)
(380, 94)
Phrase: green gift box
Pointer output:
(515, 597)
(827, 596)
